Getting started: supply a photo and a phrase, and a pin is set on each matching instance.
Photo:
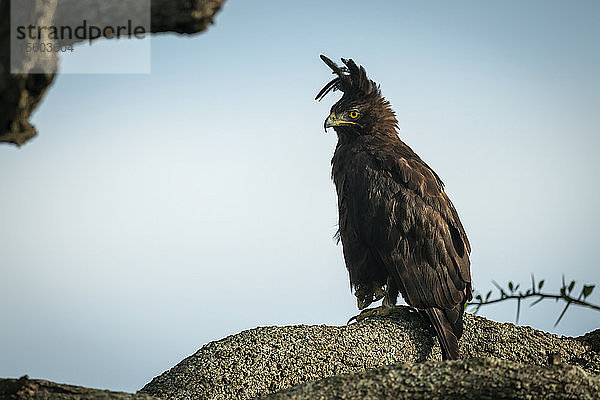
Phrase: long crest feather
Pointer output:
(350, 78)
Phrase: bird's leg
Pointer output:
(391, 293)
(365, 295)
(388, 306)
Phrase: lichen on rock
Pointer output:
(265, 360)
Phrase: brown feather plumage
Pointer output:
(398, 228)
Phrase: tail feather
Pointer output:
(448, 328)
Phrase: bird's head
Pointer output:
(362, 110)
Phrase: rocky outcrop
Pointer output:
(593, 339)
(37, 389)
(381, 358)
(475, 378)
(266, 360)
(21, 93)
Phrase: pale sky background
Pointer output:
(155, 213)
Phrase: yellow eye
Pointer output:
(353, 114)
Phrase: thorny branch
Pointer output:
(510, 293)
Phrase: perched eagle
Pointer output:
(399, 230)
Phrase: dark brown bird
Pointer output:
(399, 230)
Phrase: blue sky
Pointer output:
(155, 213)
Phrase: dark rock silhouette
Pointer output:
(475, 378)
(37, 389)
(21, 93)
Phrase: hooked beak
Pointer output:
(332, 122)
(329, 122)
